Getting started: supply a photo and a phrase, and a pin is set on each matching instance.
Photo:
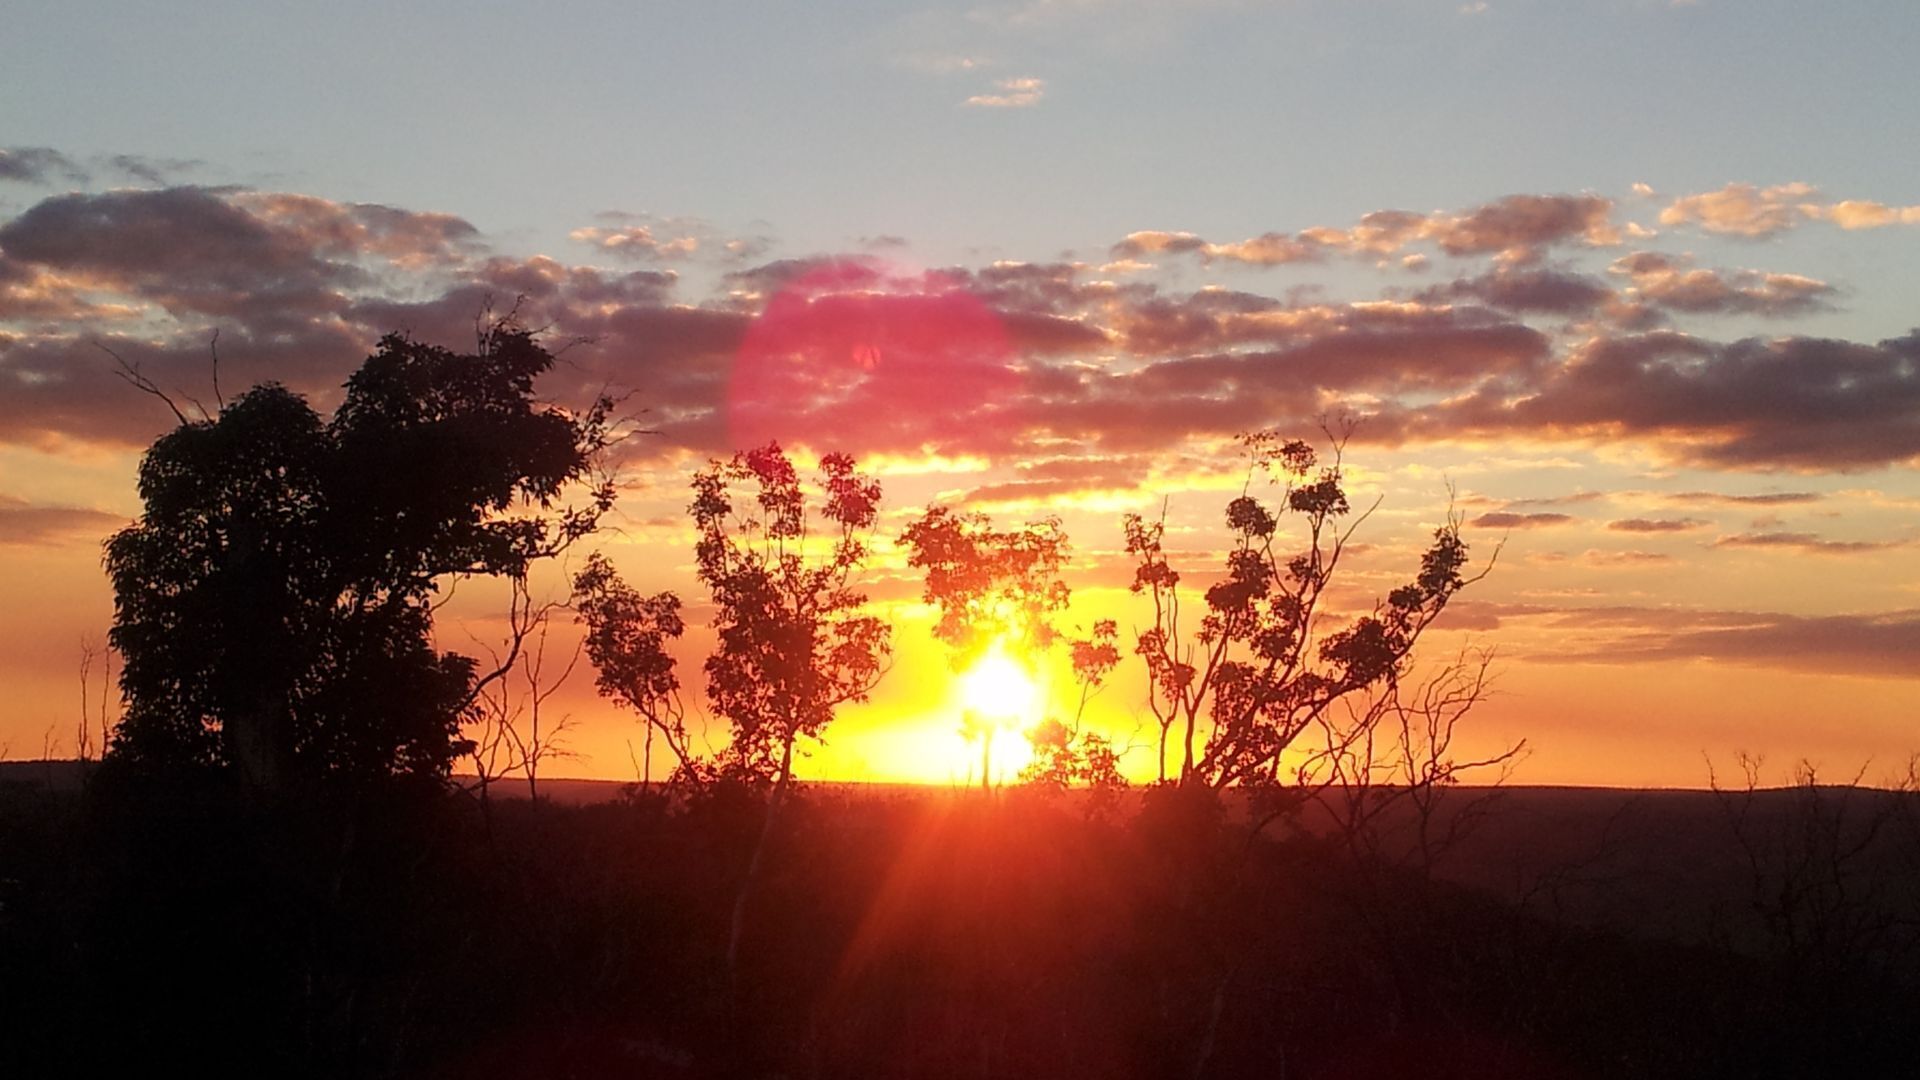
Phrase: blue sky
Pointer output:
(834, 121)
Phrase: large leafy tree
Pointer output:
(274, 602)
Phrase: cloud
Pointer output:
(1795, 403)
(1764, 498)
(1521, 224)
(1267, 249)
(1671, 282)
(42, 165)
(1656, 525)
(1155, 242)
(301, 287)
(647, 238)
(1505, 519)
(1880, 645)
(1742, 209)
(1858, 214)
(636, 242)
(1805, 543)
(1517, 228)
(188, 248)
(1552, 292)
(26, 524)
(1015, 93)
(38, 165)
(1577, 498)
(1622, 559)
(263, 258)
(151, 170)
(1877, 645)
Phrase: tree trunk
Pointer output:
(754, 862)
(986, 761)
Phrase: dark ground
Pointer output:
(909, 932)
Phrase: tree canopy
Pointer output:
(794, 643)
(1237, 690)
(273, 602)
(989, 583)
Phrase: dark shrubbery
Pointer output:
(923, 934)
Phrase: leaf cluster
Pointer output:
(1237, 687)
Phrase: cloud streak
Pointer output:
(25, 524)
(1022, 92)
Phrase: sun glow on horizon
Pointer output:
(1000, 698)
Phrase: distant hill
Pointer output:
(53, 774)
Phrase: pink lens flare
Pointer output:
(866, 357)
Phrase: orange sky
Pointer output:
(1706, 519)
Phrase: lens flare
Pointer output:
(862, 356)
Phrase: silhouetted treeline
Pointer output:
(939, 934)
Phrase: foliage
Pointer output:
(1065, 756)
(793, 644)
(273, 602)
(627, 640)
(1238, 689)
(989, 584)
(1004, 585)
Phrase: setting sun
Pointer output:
(1001, 690)
(999, 698)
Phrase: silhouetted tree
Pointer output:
(1004, 585)
(1384, 767)
(1237, 690)
(989, 584)
(513, 730)
(1063, 754)
(794, 643)
(628, 638)
(273, 602)
(93, 714)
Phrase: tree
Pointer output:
(993, 588)
(1256, 672)
(989, 584)
(273, 603)
(1387, 765)
(1063, 755)
(511, 729)
(628, 637)
(794, 641)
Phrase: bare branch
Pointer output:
(130, 374)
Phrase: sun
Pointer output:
(999, 689)
(999, 699)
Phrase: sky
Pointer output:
(1627, 284)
